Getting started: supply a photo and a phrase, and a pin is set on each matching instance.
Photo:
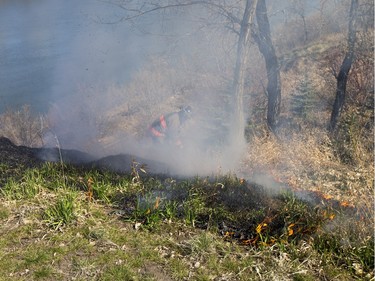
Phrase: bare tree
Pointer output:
(262, 37)
(342, 76)
(244, 26)
(298, 8)
(247, 21)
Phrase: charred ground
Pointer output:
(130, 224)
(249, 204)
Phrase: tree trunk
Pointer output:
(342, 77)
(263, 39)
(304, 29)
(238, 121)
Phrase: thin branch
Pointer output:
(141, 12)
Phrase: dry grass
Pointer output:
(23, 127)
(161, 87)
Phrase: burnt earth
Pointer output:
(15, 156)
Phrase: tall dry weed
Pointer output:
(307, 159)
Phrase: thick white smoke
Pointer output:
(101, 55)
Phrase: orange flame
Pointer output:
(228, 234)
(260, 227)
(327, 196)
(346, 204)
(290, 229)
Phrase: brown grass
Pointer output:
(23, 127)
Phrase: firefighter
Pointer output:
(167, 128)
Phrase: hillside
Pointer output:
(66, 222)
(86, 195)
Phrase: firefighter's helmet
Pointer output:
(185, 113)
(186, 109)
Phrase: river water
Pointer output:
(50, 47)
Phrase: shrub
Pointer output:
(23, 127)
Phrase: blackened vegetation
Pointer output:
(123, 163)
(242, 211)
(13, 159)
(251, 215)
(14, 156)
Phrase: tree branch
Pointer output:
(138, 12)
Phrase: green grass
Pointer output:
(66, 222)
(28, 187)
(62, 212)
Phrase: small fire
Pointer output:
(346, 204)
(228, 234)
(290, 229)
(329, 215)
(327, 196)
(260, 227)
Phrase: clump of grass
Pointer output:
(4, 212)
(193, 207)
(170, 210)
(30, 185)
(301, 219)
(62, 212)
(347, 241)
(360, 260)
(97, 186)
(148, 210)
(54, 175)
(136, 171)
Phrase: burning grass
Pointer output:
(308, 160)
(93, 224)
(302, 213)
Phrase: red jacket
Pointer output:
(166, 127)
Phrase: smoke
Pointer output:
(200, 153)
(98, 56)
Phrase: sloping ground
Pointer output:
(245, 198)
(21, 156)
(13, 155)
(220, 228)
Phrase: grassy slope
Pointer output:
(65, 223)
